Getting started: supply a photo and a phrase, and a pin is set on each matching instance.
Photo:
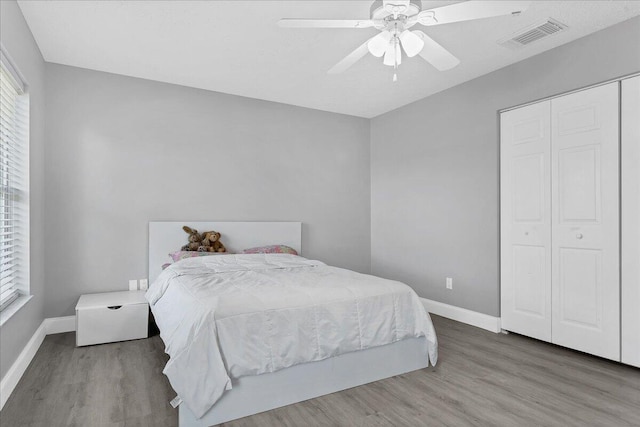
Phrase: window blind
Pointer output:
(13, 187)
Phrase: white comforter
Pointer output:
(227, 316)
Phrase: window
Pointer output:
(14, 186)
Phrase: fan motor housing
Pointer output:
(380, 11)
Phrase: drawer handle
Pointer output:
(114, 307)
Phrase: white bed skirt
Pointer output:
(253, 394)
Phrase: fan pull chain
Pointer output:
(395, 59)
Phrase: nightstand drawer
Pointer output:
(97, 325)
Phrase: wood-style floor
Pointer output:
(482, 379)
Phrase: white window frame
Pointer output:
(20, 206)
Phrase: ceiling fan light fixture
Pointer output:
(394, 18)
(411, 43)
(378, 45)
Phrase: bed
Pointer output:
(249, 333)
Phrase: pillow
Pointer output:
(166, 265)
(272, 249)
(178, 255)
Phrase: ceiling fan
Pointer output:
(394, 18)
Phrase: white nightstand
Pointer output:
(111, 316)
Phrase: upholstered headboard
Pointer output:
(167, 236)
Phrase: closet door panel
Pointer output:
(580, 287)
(526, 221)
(585, 224)
(579, 186)
(631, 221)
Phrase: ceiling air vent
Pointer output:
(532, 33)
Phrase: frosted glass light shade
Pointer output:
(411, 43)
(393, 55)
(378, 44)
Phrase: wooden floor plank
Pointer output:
(482, 379)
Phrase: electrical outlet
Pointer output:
(144, 284)
(449, 282)
(133, 285)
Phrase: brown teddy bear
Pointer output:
(211, 242)
(195, 239)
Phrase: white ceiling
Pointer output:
(236, 47)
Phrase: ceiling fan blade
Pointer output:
(411, 43)
(326, 23)
(350, 59)
(470, 10)
(378, 45)
(435, 54)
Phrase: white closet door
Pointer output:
(526, 220)
(585, 205)
(631, 221)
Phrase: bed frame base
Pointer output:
(253, 394)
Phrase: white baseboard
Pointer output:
(13, 375)
(58, 325)
(49, 326)
(473, 318)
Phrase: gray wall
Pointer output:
(123, 151)
(434, 168)
(18, 41)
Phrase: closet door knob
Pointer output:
(526, 233)
(579, 236)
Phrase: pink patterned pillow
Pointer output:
(178, 255)
(272, 249)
